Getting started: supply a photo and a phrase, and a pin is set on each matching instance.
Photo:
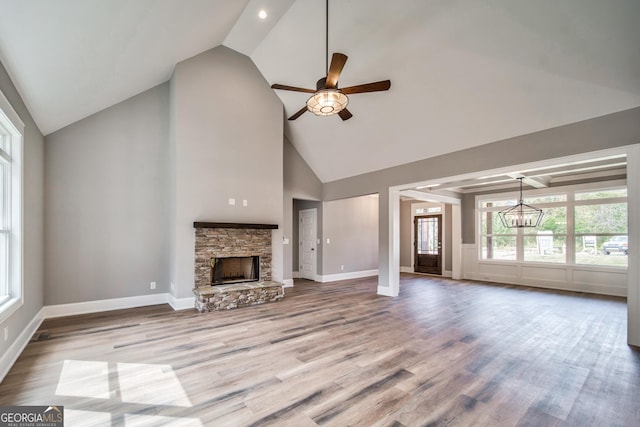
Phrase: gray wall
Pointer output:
(352, 227)
(33, 217)
(226, 142)
(406, 243)
(468, 217)
(107, 202)
(613, 130)
(299, 179)
(448, 237)
(299, 183)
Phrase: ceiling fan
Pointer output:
(327, 98)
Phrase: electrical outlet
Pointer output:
(152, 285)
(245, 203)
(328, 240)
(173, 286)
(6, 333)
(342, 268)
(232, 202)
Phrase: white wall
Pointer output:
(226, 142)
(351, 225)
(107, 200)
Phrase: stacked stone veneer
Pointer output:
(220, 242)
(224, 297)
(228, 242)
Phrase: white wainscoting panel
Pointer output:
(578, 278)
(544, 272)
(469, 261)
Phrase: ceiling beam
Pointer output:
(535, 182)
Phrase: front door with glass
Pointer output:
(428, 244)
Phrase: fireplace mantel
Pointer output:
(233, 225)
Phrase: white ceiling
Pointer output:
(463, 72)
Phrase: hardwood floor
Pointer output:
(443, 353)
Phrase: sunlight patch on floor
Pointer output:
(151, 385)
(136, 383)
(134, 420)
(84, 378)
(77, 418)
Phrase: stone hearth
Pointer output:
(224, 297)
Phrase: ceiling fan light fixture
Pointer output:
(327, 102)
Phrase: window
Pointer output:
(5, 168)
(497, 241)
(580, 226)
(601, 227)
(11, 129)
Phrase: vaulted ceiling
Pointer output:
(463, 72)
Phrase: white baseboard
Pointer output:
(386, 291)
(345, 276)
(288, 283)
(405, 269)
(11, 355)
(295, 274)
(448, 274)
(72, 309)
(180, 303)
(60, 310)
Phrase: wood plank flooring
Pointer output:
(443, 353)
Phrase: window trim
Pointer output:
(15, 128)
(569, 235)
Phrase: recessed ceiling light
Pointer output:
(262, 14)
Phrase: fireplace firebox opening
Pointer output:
(235, 270)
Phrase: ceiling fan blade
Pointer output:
(293, 88)
(368, 87)
(337, 64)
(299, 113)
(345, 114)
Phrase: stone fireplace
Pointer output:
(233, 265)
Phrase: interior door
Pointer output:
(428, 244)
(307, 246)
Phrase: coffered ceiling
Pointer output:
(463, 72)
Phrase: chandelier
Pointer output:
(521, 215)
